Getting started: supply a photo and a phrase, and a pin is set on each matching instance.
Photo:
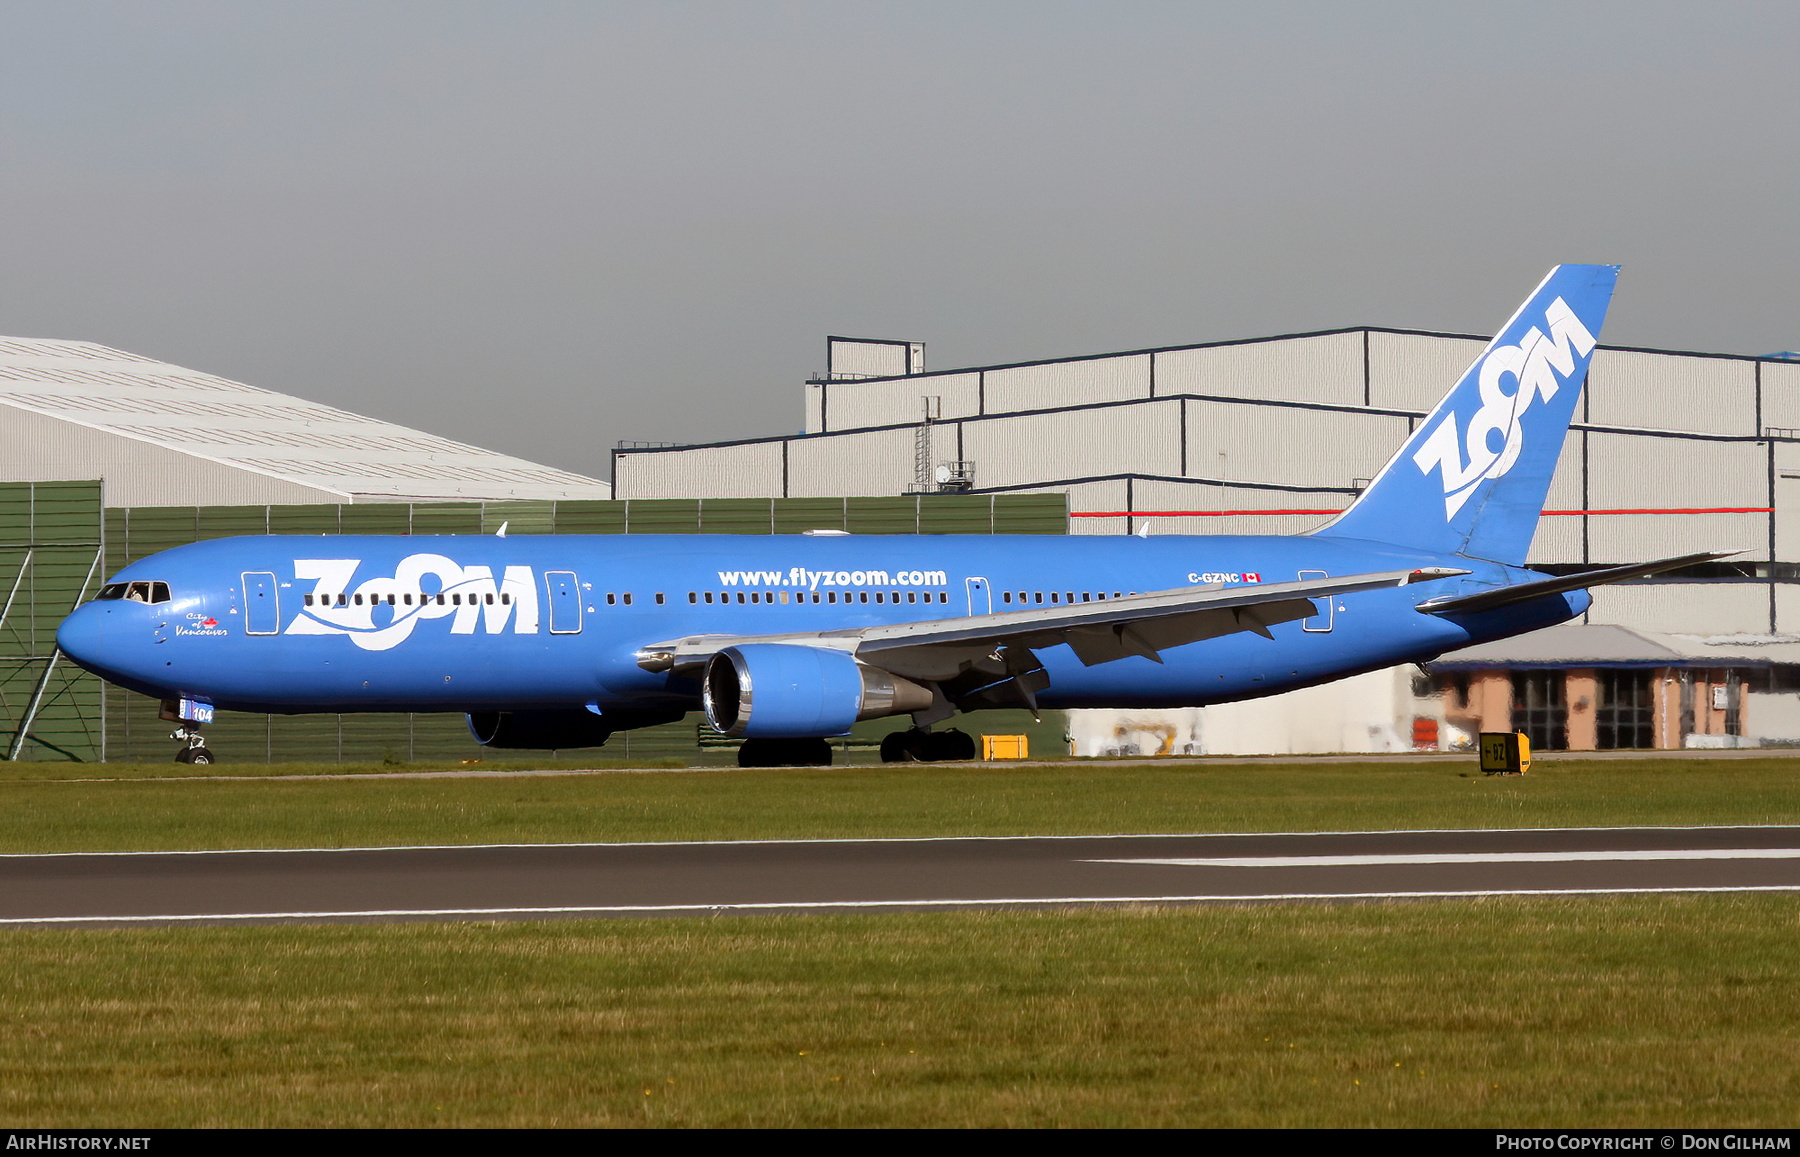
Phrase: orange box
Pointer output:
(1004, 747)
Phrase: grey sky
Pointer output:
(544, 227)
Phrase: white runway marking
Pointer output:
(1466, 858)
(852, 905)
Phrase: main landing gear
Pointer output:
(784, 753)
(916, 746)
(194, 749)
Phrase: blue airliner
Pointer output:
(558, 641)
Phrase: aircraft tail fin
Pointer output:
(1472, 478)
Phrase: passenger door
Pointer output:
(262, 610)
(1318, 623)
(565, 602)
(981, 599)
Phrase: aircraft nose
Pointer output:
(79, 636)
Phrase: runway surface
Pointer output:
(572, 880)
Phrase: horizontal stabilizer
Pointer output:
(1524, 592)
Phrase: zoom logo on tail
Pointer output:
(1496, 432)
(1472, 477)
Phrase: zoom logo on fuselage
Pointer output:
(381, 612)
(1495, 436)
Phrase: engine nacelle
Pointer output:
(786, 691)
(555, 730)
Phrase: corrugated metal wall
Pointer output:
(1014, 389)
(1288, 445)
(869, 462)
(859, 405)
(1413, 371)
(1657, 391)
(1025, 449)
(1328, 368)
(740, 470)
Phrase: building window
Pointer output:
(1626, 717)
(1540, 709)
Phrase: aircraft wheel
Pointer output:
(949, 746)
(909, 746)
(201, 755)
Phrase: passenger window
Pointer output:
(912, 596)
(309, 600)
(505, 599)
(815, 596)
(752, 596)
(877, 596)
(344, 599)
(1006, 596)
(831, 596)
(488, 599)
(610, 599)
(694, 598)
(740, 598)
(708, 597)
(865, 596)
(391, 599)
(784, 598)
(659, 598)
(627, 598)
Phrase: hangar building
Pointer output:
(1670, 453)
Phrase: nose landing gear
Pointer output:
(187, 715)
(194, 749)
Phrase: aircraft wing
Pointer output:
(1099, 632)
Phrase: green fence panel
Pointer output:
(231, 521)
(956, 514)
(1035, 513)
(376, 518)
(310, 519)
(149, 529)
(15, 514)
(15, 582)
(55, 580)
(797, 515)
(896, 515)
(117, 554)
(590, 516)
(67, 512)
(662, 516)
(533, 517)
(445, 518)
(736, 516)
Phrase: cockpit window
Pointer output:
(136, 592)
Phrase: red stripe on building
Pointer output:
(1334, 510)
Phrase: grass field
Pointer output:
(1067, 798)
(1624, 1011)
